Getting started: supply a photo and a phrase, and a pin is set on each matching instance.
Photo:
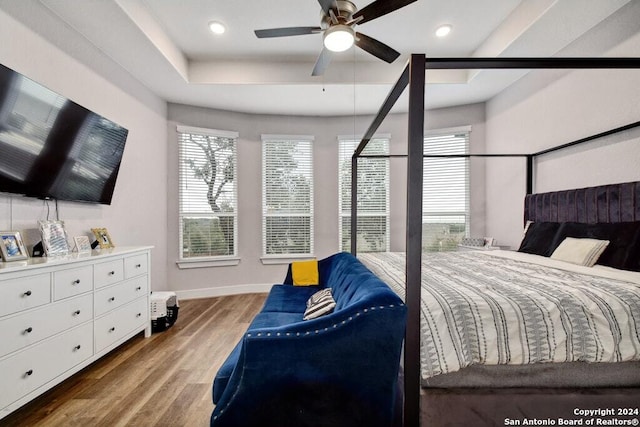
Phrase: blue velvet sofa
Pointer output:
(340, 369)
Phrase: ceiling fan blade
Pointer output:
(285, 32)
(376, 48)
(326, 5)
(322, 63)
(332, 15)
(379, 8)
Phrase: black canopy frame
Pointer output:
(414, 76)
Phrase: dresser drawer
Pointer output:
(25, 329)
(135, 265)
(120, 322)
(107, 273)
(29, 369)
(107, 299)
(75, 281)
(23, 293)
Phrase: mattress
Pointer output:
(484, 308)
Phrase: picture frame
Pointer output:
(54, 238)
(12, 246)
(83, 244)
(103, 238)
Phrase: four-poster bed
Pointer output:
(414, 77)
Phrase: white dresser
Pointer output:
(57, 315)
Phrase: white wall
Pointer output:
(138, 213)
(251, 274)
(551, 108)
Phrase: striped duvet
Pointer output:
(493, 308)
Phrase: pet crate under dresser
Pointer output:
(58, 315)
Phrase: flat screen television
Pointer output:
(53, 148)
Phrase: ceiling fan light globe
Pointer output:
(339, 38)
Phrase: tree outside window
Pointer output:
(208, 196)
(287, 196)
(373, 196)
(445, 197)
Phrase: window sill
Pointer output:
(284, 259)
(207, 262)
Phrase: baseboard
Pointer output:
(223, 291)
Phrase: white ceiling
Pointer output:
(166, 45)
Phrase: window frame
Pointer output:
(283, 258)
(210, 260)
(466, 212)
(344, 213)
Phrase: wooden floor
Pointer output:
(164, 380)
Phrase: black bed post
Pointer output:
(414, 240)
(530, 174)
(354, 204)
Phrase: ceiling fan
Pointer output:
(337, 21)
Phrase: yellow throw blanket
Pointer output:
(305, 273)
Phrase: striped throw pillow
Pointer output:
(319, 304)
(580, 251)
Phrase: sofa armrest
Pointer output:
(336, 370)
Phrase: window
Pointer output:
(287, 195)
(445, 197)
(208, 193)
(373, 195)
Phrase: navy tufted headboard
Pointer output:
(605, 203)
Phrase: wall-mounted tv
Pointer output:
(53, 148)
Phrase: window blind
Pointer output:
(445, 197)
(208, 193)
(373, 195)
(287, 195)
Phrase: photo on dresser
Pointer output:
(82, 244)
(103, 238)
(12, 247)
(54, 238)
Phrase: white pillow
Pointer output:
(580, 251)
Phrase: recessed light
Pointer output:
(217, 27)
(443, 30)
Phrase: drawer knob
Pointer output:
(75, 313)
(26, 294)
(138, 288)
(76, 282)
(28, 373)
(28, 330)
(111, 273)
(113, 328)
(139, 314)
(112, 299)
(138, 265)
(78, 347)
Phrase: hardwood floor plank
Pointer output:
(177, 412)
(157, 401)
(164, 380)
